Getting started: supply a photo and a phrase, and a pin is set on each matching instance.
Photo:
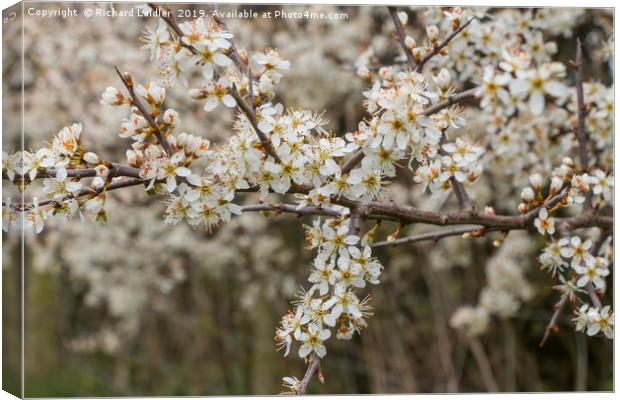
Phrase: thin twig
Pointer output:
(442, 44)
(581, 116)
(457, 187)
(234, 53)
(291, 208)
(116, 170)
(401, 34)
(435, 236)
(249, 113)
(147, 116)
(484, 365)
(552, 325)
(168, 18)
(559, 306)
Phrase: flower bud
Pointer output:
(183, 139)
(403, 17)
(135, 157)
(363, 72)
(523, 208)
(432, 32)
(417, 53)
(556, 185)
(197, 94)
(102, 170)
(170, 117)
(94, 205)
(97, 182)
(536, 181)
(386, 73)
(527, 194)
(410, 42)
(568, 162)
(112, 97)
(443, 79)
(91, 158)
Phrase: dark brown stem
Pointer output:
(291, 208)
(116, 170)
(581, 125)
(581, 118)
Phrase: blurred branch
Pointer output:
(581, 116)
(483, 365)
(552, 325)
(401, 34)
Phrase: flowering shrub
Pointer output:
(498, 64)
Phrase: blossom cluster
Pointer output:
(343, 264)
(594, 321)
(558, 255)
